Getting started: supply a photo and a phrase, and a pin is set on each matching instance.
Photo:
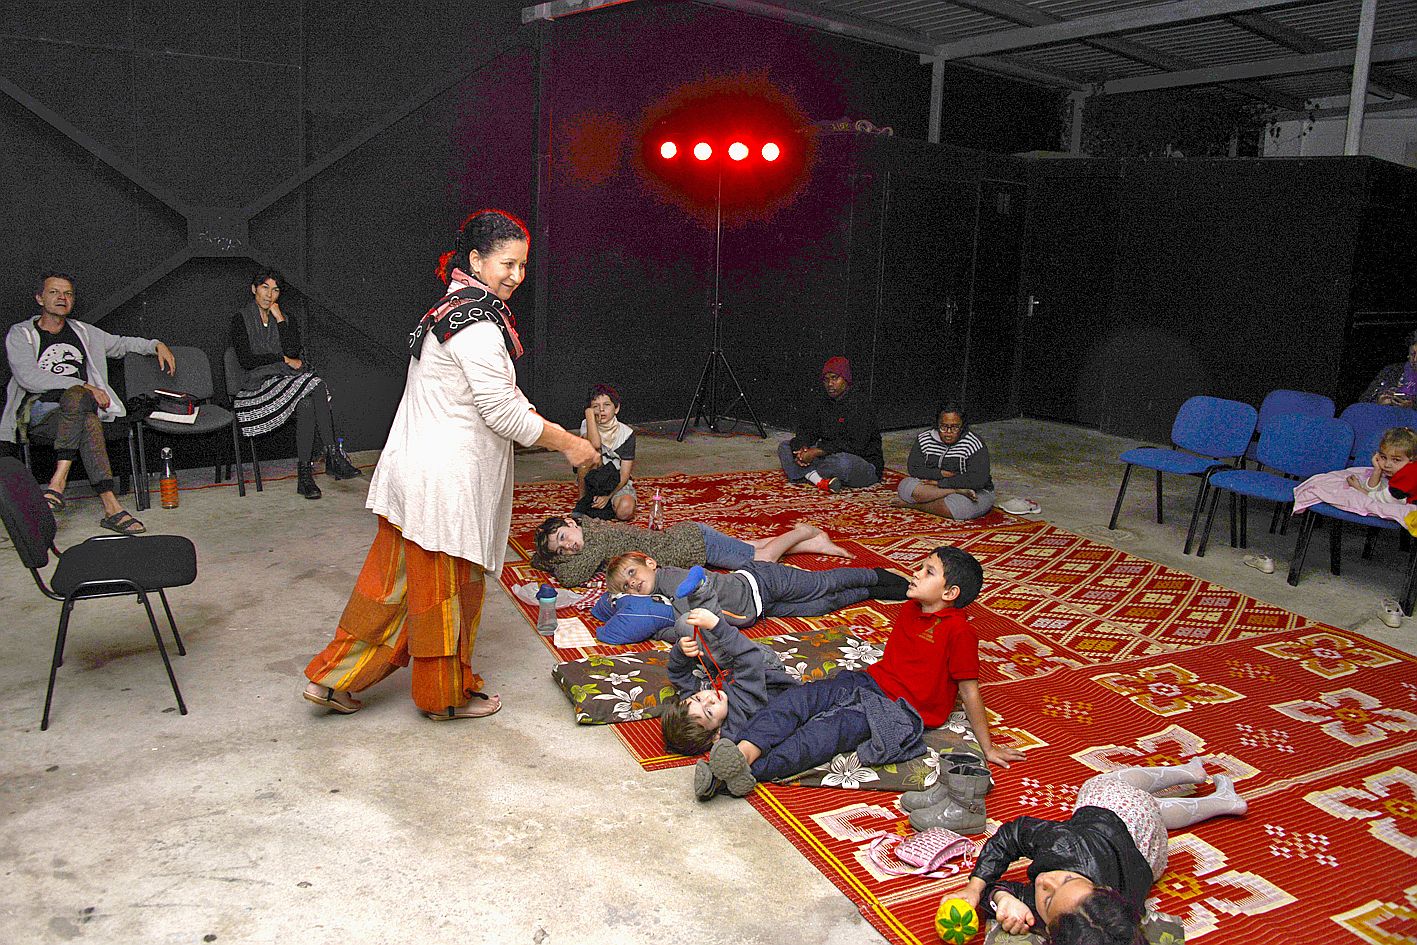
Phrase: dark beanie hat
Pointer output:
(838, 366)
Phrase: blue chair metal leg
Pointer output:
(1196, 513)
(1335, 546)
(1301, 547)
(1122, 491)
(1209, 522)
(1244, 521)
(1159, 520)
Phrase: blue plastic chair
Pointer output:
(1278, 403)
(1295, 447)
(1369, 419)
(1336, 519)
(1212, 431)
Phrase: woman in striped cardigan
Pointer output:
(949, 469)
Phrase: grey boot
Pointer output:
(963, 810)
(938, 792)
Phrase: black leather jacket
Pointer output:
(1093, 842)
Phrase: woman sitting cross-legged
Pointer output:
(574, 549)
(949, 469)
(1091, 873)
(278, 383)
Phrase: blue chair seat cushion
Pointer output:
(1171, 461)
(149, 561)
(1329, 511)
(1255, 484)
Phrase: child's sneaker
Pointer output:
(706, 786)
(1262, 563)
(727, 764)
(1391, 613)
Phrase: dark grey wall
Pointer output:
(214, 104)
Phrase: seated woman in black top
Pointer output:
(278, 383)
(1091, 873)
(949, 469)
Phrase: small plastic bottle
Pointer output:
(546, 613)
(656, 512)
(167, 485)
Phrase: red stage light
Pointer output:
(737, 150)
(668, 149)
(703, 151)
(771, 152)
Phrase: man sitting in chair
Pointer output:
(59, 391)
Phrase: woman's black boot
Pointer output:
(305, 481)
(337, 464)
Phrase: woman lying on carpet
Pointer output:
(574, 549)
(949, 469)
(1091, 873)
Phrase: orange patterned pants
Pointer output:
(408, 606)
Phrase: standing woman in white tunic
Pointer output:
(443, 489)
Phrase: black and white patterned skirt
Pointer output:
(270, 405)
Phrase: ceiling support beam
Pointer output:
(1015, 12)
(1288, 65)
(558, 8)
(1383, 83)
(1104, 24)
(1357, 95)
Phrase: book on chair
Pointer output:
(174, 406)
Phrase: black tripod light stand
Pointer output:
(718, 373)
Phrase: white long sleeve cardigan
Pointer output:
(445, 475)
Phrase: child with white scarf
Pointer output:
(606, 490)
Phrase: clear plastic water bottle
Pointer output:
(167, 485)
(656, 512)
(546, 610)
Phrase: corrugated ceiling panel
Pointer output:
(1208, 42)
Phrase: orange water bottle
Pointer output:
(167, 485)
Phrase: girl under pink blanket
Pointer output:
(1384, 490)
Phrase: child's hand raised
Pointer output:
(690, 647)
(701, 618)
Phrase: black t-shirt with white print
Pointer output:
(61, 354)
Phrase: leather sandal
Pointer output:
(54, 499)
(469, 711)
(326, 698)
(123, 523)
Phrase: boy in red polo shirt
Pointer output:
(930, 659)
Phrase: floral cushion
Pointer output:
(631, 686)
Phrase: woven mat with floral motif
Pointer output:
(1094, 659)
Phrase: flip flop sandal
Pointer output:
(54, 499)
(123, 523)
(329, 701)
(460, 712)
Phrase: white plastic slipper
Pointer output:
(1021, 507)
(1391, 612)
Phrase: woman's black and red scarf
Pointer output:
(464, 306)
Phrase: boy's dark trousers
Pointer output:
(806, 726)
(790, 592)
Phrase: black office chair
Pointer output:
(104, 566)
(193, 376)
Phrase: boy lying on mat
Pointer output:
(759, 588)
(755, 733)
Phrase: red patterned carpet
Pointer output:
(1094, 659)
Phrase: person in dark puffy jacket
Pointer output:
(1091, 873)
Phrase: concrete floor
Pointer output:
(259, 818)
